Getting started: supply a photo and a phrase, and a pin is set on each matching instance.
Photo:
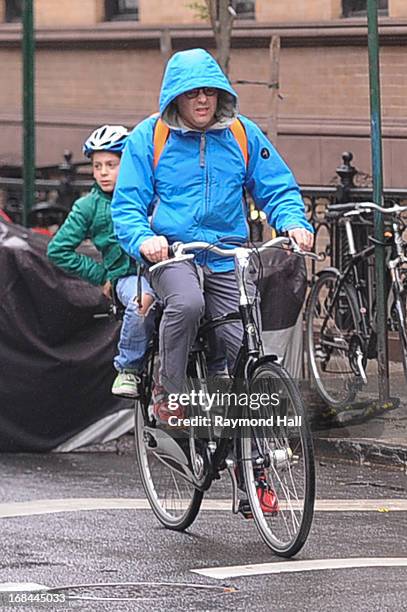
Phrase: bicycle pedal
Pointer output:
(244, 509)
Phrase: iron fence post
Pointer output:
(68, 173)
(346, 173)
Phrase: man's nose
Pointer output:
(202, 95)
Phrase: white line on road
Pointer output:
(278, 567)
(7, 587)
(51, 506)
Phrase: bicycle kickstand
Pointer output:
(359, 360)
(231, 467)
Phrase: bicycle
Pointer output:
(340, 322)
(178, 467)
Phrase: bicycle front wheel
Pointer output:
(278, 461)
(331, 330)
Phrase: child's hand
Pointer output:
(107, 289)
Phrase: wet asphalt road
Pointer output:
(129, 546)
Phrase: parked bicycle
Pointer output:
(260, 456)
(341, 320)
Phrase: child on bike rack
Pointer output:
(90, 217)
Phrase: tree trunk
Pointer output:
(165, 45)
(221, 19)
(272, 123)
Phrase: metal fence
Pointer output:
(58, 186)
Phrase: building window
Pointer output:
(14, 10)
(121, 10)
(245, 9)
(358, 8)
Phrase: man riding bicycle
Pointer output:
(195, 192)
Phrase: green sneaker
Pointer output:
(126, 384)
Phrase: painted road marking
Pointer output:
(299, 566)
(52, 506)
(9, 587)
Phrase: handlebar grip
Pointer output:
(333, 215)
(343, 207)
(172, 249)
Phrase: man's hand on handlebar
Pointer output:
(302, 237)
(155, 249)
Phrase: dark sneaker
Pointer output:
(126, 384)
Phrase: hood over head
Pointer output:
(193, 69)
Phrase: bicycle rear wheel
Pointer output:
(278, 461)
(333, 341)
(174, 500)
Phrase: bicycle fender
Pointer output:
(330, 269)
(264, 359)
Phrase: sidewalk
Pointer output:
(367, 431)
(363, 432)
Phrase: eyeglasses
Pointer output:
(207, 91)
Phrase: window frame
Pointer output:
(13, 11)
(251, 14)
(248, 15)
(349, 12)
(112, 12)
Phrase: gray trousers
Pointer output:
(187, 292)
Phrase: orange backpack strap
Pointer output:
(239, 133)
(161, 133)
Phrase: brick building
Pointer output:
(100, 61)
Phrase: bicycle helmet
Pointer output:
(106, 138)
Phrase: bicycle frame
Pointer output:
(248, 357)
(351, 268)
(394, 265)
(366, 314)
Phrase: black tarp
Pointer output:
(55, 356)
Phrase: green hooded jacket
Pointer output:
(90, 218)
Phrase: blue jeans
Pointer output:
(136, 329)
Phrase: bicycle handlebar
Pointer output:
(180, 248)
(181, 251)
(366, 207)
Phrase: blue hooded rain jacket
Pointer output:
(196, 190)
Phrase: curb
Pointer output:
(360, 450)
(363, 450)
